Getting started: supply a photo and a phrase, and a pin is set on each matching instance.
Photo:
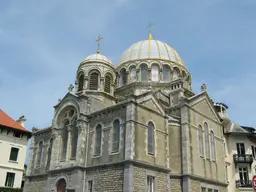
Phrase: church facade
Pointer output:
(134, 127)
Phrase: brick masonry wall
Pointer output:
(140, 180)
(107, 179)
(175, 185)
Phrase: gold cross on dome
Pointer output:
(149, 26)
(98, 42)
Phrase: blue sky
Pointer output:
(42, 43)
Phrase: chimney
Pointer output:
(21, 120)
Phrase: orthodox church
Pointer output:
(134, 127)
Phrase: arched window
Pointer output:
(206, 139)
(81, 82)
(49, 153)
(155, 73)
(144, 72)
(151, 139)
(184, 75)
(64, 141)
(117, 80)
(74, 138)
(98, 133)
(200, 141)
(166, 73)
(175, 75)
(133, 75)
(213, 145)
(61, 186)
(107, 84)
(116, 136)
(40, 153)
(123, 77)
(94, 81)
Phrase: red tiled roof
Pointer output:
(7, 121)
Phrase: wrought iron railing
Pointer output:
(243, 158)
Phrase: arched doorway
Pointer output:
(61, 185)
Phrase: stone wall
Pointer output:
(106, 179)
(35, 184)
(140, 179)
(175, 185)
(195, 186)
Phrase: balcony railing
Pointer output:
(243, 158)
(244, 183)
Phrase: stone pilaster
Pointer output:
(56, 148)
(81, 143)
(185, 149)
(137, 74)
(129, 131)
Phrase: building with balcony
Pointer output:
(240, 152)
(13, 146)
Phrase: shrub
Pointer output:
(6, 189)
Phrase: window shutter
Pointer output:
(107, 84)
(94, 80)
(81, 82)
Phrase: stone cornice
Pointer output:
(202, 179)
(121, 163)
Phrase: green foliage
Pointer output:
(5, 189)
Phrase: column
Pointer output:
(86, 79)
(69, 143)
(101, 83)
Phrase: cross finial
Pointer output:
(70, 88)
(149, 27)
(98, 42)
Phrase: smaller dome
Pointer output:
(98, 58)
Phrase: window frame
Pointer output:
(166, 73)
(151, 183)
(144, 67)
(155, 75)
(12, 181)
(40, 153)
(152, 145)
(91, 85)
(98, 139)
(16, 156)
(107, 83)
(116, 135)
(81, 78)
(213, 147)
(201, 141)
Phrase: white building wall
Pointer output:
(233, 172)
(6, 143)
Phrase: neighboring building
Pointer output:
(240, 150)
(137, 127)
(13, 147)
